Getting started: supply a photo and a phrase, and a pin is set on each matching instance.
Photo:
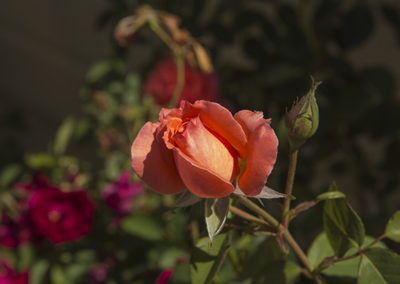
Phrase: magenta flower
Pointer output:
(61, 216)
(119, 195)
(38, 181)
(14, 233)
(164, 277)
(9, 276)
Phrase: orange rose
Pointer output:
(199, 147)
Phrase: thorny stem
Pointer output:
(281, 229)
(289, 187)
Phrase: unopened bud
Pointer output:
(302, 120)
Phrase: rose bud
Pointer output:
(303, 118)
(198, 147)
(160, 84)
(61, 216)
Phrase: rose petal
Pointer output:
(250, 120)
(200, 181)
(220, 120)
(207, 149)
(262, 149)
(149, 164)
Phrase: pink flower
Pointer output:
(198, 85)
(200, 146)
(120, 194)
(99, 273)
(9, 276)
(61, 216)
(164, 277)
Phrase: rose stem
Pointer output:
(179, 56)
(281, 229)
(247, 216)
(289, 186)
(180, 80)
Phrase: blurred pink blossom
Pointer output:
(9, 276)
(164, 277)
(119, 195)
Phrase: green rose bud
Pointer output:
(302, 120)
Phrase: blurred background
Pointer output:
(263, 53)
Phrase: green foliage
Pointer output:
(63, 135)
(215, 211)
(38, 271)
(144, 227)
(379, 266)
(267, 263)
(321, 252)
(40, 161)
(392, 230)
(342, 225)
(207, 258)
(9, 174)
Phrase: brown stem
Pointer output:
(281, 229)
(289, 187)
(246, 215)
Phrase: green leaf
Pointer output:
(38, 272)
(215, 211)
(379, 266)
(144, 227)
(342, 225)
(330, 195)
(207, 258)
(9, 174)
(320, 250)
(392, 230)
(64, 134)
(57, 275)
(186, 199)
(266, 263)
(25, 257)
(40, 160)
(102, 69)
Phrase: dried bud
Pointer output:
(302, 120)
(203, 59)
(126, 29)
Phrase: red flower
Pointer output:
(198, 85)
(14, 233)
(61, 216)
(8, 275)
